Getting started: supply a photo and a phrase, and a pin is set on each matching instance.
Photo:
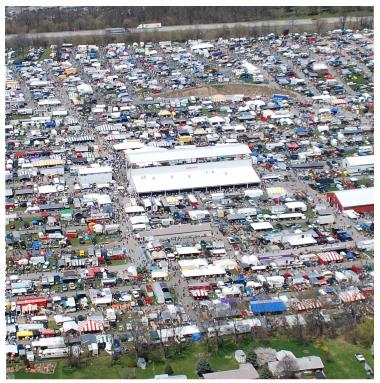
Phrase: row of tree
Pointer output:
(319, 26)
(54, 19)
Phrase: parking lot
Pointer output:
(190, 212)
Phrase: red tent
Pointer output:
(91, 326)
(48, 332)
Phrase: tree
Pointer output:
(343, 18)
(252, 358)
(141, 338)
(264, 373)
(319, 25)
(286, 367)
(364, 332)
(169, 370)
(203, 367)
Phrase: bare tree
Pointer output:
(343, 18)
(286, 368)
(141, 339)
(319, 25)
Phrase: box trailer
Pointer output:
(54, 353)
(149, 26)
(326, 219)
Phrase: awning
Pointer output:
(330, 256)
(199, 293)
(308, 304)
(339, 101)
(29, 308)
(351, 297)
(24, 334)
(48, 331)
(91, 326)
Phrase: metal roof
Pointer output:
(193, 176)
(190, 153)
(356, 197)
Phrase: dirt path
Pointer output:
(228, 89)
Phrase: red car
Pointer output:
(357, 269)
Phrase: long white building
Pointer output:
(355, 165)
(207, 175)
(95, 175)
(186, 154)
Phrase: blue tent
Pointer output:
(36, 245)
(240, 279)
(262, 307)
(196, 337)
(301, 131)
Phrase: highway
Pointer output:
(295, 24)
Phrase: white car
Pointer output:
(125, 298)
(360, 357)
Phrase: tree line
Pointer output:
(54, 19)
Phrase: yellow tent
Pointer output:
(218, 98)
(164, 113)
(24, 334)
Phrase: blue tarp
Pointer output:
(240, 279)
(36, 245)
(300, 130)
(261, 307)
(196, 337)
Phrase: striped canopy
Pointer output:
(330, 256)
(91, 326)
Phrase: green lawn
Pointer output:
(340, 364)
(46, 54)
(17, 117)
(309, 213)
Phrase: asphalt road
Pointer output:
(251, 24)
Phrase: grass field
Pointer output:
(339, 364)
(46, 54)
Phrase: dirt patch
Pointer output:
(228, 89)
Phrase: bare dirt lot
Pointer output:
(246, 89)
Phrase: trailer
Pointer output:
(326, 219)
(54, 353)
(149, 26)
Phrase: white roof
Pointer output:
(187, 250)
(225, 263)
(47, 189)
(202, 46)
(250, 68)
(134, 209)
(360, 160)
(129, 145)
(195, 176)
(261, 226)
(160, 274)
(193, 152)
(296, 205)
(301, 240)
(356, 197)
(250, 259)
(205, 271)
(138, 219)
(95, 170)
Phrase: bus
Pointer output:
(115, 30)
(280, 97)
